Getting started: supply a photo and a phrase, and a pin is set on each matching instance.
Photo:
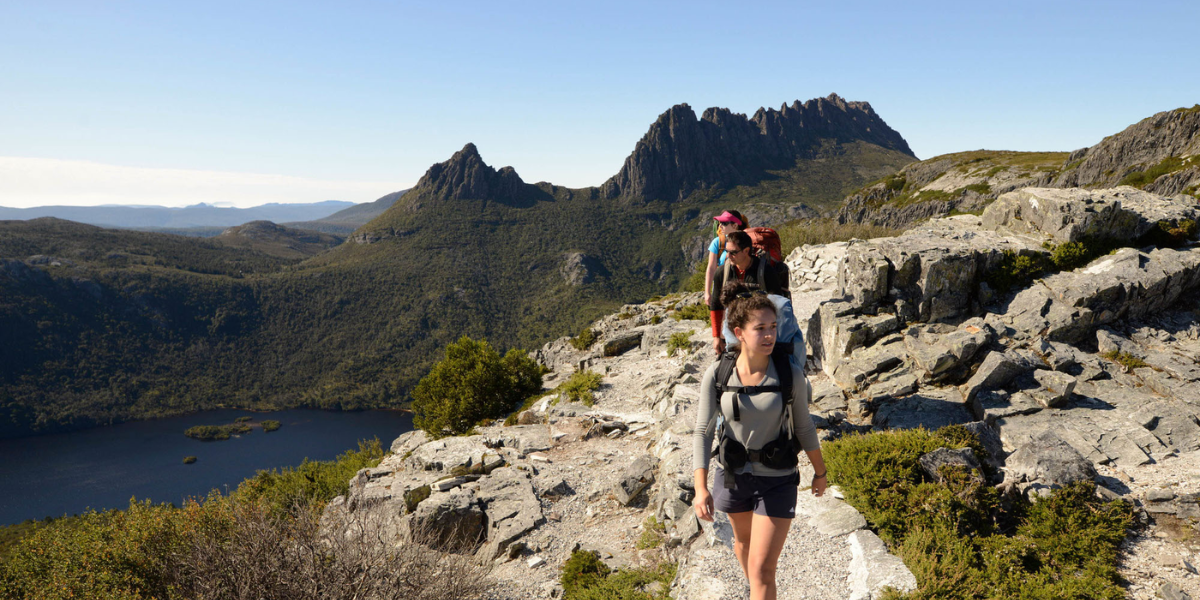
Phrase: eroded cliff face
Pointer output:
(1173, 134)
(1089, 372)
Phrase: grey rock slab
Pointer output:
(1049, 460)
(454, 518)
(992, 405)
(873, 569)
(636, 477)
(866, 363)
(447, 453)
(1074, 214)
(990, 440)
(622, 343)
(1055, 387)
(939, 353)
(1170, 591)
(834, 517)
(511, 507)
(997, 370)
(930, 408)
(895, 387)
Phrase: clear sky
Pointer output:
(352, 100)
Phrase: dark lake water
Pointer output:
(53, 475)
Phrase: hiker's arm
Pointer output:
(702, 438)
(709, 273)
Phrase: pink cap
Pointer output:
(727, 217)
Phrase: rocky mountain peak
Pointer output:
(681, 154)
(466, 177)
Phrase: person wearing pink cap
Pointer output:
(730, 220)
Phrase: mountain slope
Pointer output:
(345, 221)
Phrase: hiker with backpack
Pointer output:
(789, 339)
(757, 266)
(725, 223)
(756, 402)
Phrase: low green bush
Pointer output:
(1069, 256)
(679, 341)
(961, 540)
(584, 340)
(472, 384)
(511, 419)
(654, 532)
(656, 319)
(1015, 271)
(982, 188)
(586, 577)
(694, 312)
(1141, 179)
(579, 387)
(1170, 235)
(1125, 359)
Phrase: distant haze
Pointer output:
(29, 182)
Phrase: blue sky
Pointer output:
(369, 94)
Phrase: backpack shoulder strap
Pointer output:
(783, 369)
(762, 271)
(724, 372)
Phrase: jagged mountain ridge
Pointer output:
(681, 154)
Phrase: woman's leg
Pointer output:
(742, 523)
(767, 535)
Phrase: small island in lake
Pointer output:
(216, 432)
(242, 425)
(187, 460)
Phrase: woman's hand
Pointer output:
(704, 504)
(707, 298)
(819, 484)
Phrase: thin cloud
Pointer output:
(28, 182)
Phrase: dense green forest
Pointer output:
(98, 326)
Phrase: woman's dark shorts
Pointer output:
(767, 496)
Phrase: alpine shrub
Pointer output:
(579, 387)
(584, 340)
(472, 384)
(679, 341)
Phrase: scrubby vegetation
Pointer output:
(1015, 271)
(580, 387)
(654, 532)
(695, 312)
(962, 540)
(584, 340)
(1125, 359)
(679, 341)
(586, 577)
(263, 539)
(473, 383)
(271, 425)
(1141, 179)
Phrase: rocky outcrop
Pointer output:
(1139, 147)
(1123, 214)
(681, 154)
(580, 269)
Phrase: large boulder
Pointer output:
(1123, 214)
(1129, 283)
(934, 268)
(511, 506)
(636, 477)
(454, 519)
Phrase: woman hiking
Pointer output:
(730, 220)
(756, 480)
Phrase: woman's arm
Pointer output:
(708, 275)
(806, 432)
(702, 438)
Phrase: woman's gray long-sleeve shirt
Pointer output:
(762, 419)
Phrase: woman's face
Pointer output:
(758, 335)
(727, 228)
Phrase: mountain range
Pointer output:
(163, 217)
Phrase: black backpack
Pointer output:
(782, 452)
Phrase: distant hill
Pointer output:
(141, 324)
(276, 240)
(345, 221)
(197, 215)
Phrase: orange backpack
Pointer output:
(766, 240)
